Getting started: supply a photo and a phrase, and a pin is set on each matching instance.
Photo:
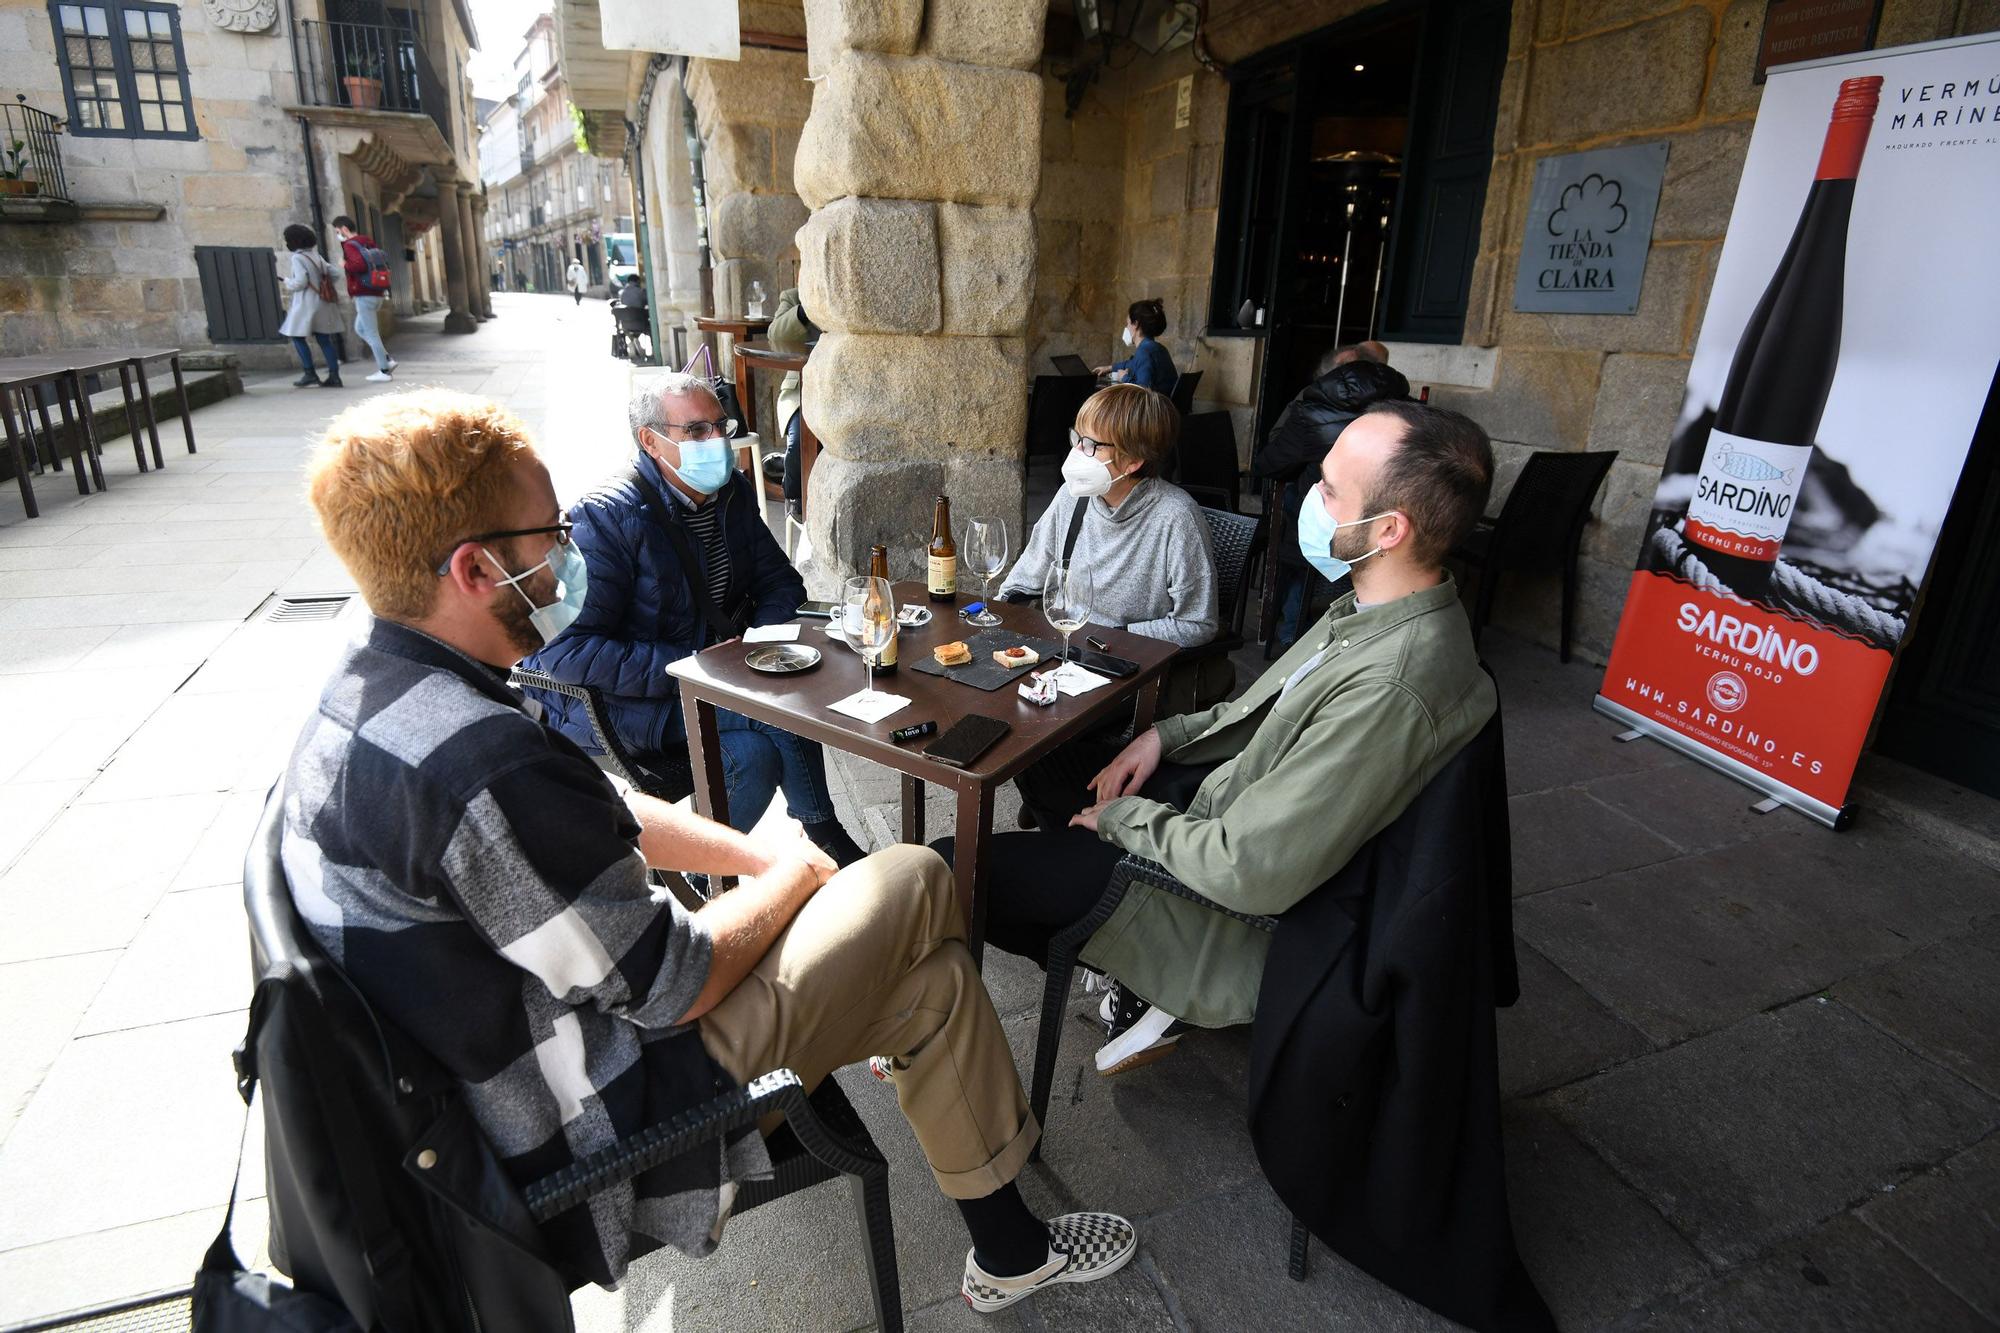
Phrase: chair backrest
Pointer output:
(1053, 402)
(378, 1180)
(1235, 540)
(1205, 460)
(1545, 512)
(668, 776)
(631, 318)
(1183, 394)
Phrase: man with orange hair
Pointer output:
(479, 879)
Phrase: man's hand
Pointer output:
(1130, 771)
(793, 845)
(1087, 818)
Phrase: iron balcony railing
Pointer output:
(370, 68)
(31, 153)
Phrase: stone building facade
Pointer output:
(142, 250)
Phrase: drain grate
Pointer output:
(297, 610)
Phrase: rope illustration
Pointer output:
(1791, 588)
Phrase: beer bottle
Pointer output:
(878, 567)
(943, 576)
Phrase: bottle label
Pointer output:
(1743, 500)
(943, 574)
(886, 659)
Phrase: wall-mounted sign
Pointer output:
(1811, 29)
(1590, 224)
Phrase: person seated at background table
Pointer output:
(1349, 380)
(1146, 546)
(793, 333)
(1149, 366)
(680, 559)
(482, 883)
(1260, 800)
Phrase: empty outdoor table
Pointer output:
(137, 358)
(718, 678)
(20, 373)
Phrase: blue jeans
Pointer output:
(325, 341)
(758, 759)
(367, 324)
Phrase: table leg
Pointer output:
(20, 459)
(51, 444)
(82, 439)
(975, 829)
(913, 810)
(152, 422)
(1147, 705)
(180, 387)
(711, 792)
(746, 392)
(132, 415)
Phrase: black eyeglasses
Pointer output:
(1088, 445)
(561, 528)
(725, 427)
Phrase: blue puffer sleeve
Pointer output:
(601, 649)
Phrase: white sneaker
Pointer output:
(380, 377)
(1083, 1247)
(1142, 1043)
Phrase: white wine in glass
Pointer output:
(1066, 600)
(985, 555)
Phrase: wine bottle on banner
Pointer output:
(1771, 403)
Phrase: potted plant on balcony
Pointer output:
(13, 169)
(363, 82)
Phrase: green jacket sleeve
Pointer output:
(788, 331)
(1348, 772)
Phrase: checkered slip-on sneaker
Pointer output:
(882, 1067)
(1083, 1247)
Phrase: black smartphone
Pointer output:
(969, 737)
(1104, 663)
(818, 610)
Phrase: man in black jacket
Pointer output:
(1350, 379)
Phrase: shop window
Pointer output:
(124, 73)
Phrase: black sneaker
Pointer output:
(1138, 1032)
(305, 379)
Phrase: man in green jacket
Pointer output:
(1322, 753)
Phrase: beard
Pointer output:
(1352, 543)
(513, 612)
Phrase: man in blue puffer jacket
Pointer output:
(645, 608)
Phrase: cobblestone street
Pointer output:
(1753, 1082)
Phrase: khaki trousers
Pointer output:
(875, 964)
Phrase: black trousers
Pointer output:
(1039, 883)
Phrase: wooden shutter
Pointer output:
(239, 290)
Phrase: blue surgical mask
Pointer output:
(706, 464)
(1316, 532)
(572, 583)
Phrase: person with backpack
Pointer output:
(312, 306)
(368, 283)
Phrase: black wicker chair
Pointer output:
(402, 1091)
(1540, 528)
(1063, 951)
(669, 777)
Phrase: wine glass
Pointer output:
(985, 555)
(868, 622)
(1066, 600)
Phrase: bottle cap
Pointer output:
(1847, 130)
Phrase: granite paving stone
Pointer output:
(1761, 1131)
(68, 1274)
(43, 998)
(1565, 836)
(190, 959)
(1556, 1032)
(1693, 807)
(1948, 1222)
(1944, 1001)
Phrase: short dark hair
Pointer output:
(342, 220)
(1439, 477)
(300, 237)
(1150, 315)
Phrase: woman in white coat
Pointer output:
(577, 280)
(307, 314)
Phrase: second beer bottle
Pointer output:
(878, 567)
(942, 577)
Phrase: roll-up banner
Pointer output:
(1850, 342)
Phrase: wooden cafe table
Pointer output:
(717, 678)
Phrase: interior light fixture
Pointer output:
(1359, 68)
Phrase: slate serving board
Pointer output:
(982, 672)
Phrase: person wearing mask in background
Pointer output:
(577, 280)
(680, 559)
(1149, 366)
(354, 247)
(1350, 379)
(307, 313)
(1146, 546)
(484, 885)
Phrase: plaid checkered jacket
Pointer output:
(479, 880)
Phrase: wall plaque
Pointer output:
(241, 15)
(1590, 224)
(1809, 29)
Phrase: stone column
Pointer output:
(482, 285)
(469, 250)
(451, 236)
(921, 160)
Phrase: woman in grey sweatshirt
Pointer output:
(1146, 545)
(1142, 537)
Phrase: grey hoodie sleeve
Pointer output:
(1190, 574)
(1044, 545)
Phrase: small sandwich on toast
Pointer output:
(952, 654)
(1020, 655)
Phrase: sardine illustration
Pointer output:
(1748, 467)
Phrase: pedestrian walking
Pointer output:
(577, 279)
(368, 281)
(313, 307)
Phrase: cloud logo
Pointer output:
(1592, 205)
